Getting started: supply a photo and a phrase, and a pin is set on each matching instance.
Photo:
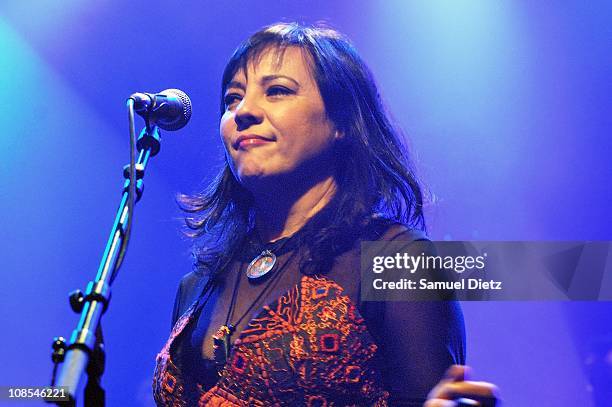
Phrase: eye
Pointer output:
(278, 90)
(231, 99)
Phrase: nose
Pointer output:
(247, 114)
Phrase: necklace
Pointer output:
(221, 338)
(264, 262)
(261, 265)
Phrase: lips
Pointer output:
(246, 140)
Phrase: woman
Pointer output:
(272, 314)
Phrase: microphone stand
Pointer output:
(85, 350)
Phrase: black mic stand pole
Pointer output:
(85, 350)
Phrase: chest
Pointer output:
(238, 300)
(309, 339)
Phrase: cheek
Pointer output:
(226, 128)
(310, 138)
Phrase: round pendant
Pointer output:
(261, 265)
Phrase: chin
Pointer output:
(250, 178)
(249, 172)
(260, 181)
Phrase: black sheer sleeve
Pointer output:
(418, 340)
(177, 305)
(189, 290)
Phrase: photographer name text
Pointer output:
(425, 284)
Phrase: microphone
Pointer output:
(169, 109)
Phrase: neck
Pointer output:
(277, 218)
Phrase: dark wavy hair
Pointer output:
(373, 172)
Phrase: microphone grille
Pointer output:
(186, 104)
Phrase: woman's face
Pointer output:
(275, 122)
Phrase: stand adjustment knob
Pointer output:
(76, 299)
(59, 349)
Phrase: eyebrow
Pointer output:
(235, 84)
(264, 80)
(269, 78)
